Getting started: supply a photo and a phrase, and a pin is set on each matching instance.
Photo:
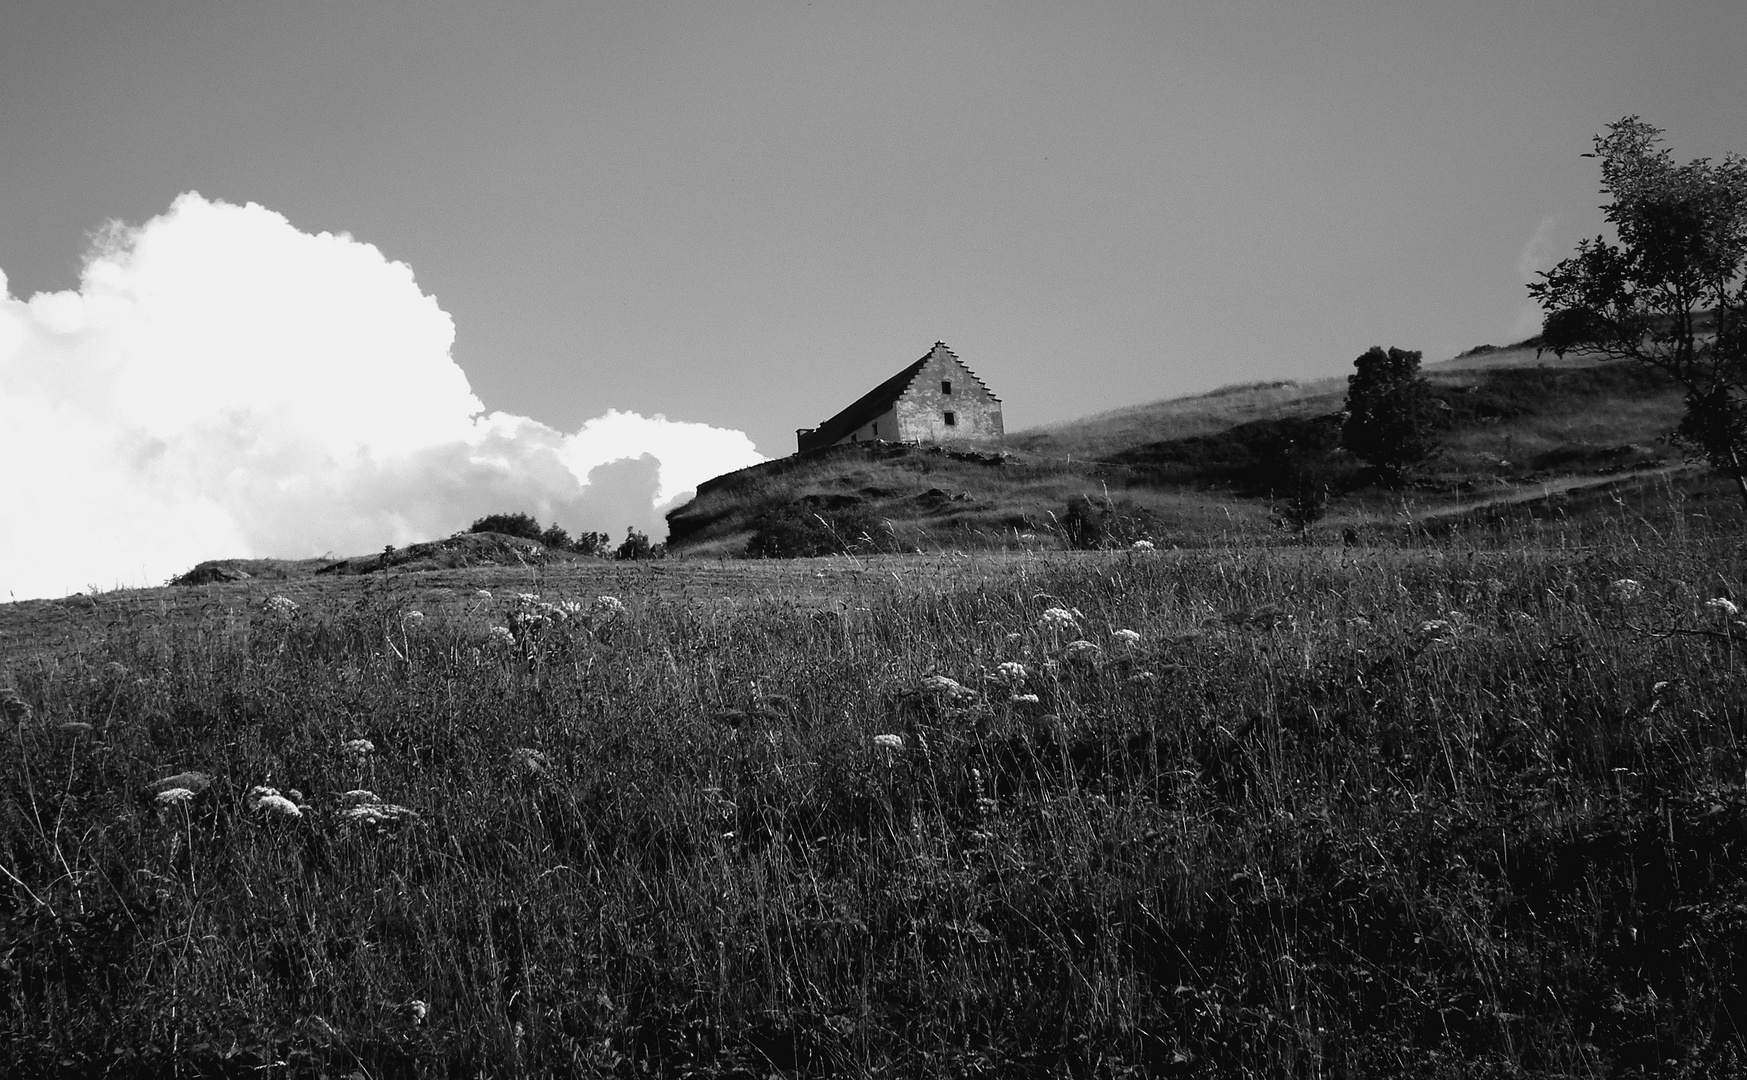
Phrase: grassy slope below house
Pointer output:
(1519, 426)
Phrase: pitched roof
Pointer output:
(868, 406)
(876, 401)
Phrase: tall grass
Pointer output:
(1447, 811)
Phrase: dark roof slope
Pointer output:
(866, 407)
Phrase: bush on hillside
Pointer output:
(553, 536)
(522, 525)
(818, 525)
(637, 546)
(1392, 418)
(1092, 526)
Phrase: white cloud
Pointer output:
(1537, 254)
(1537, 251)
(222, 384)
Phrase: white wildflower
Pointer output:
(1081, 651)
(1128, 638)
(193, 780)
(890, 743)
(360, 747)
(260, 791)
(1625, 591)
(1432, 629)
(375, 813)
(1724, 607)
(482, 594)
(940, 684)
(1143, 677)
(412, 618)
(171, 796)
(611, 605)
(1141, 545)
(1059, 619)
(531, 760)
(282, 607)
(500, 635)
(1010, 673)
(278, 804)
(360, 795)
(1024, 699)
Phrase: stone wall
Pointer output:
(921, 411)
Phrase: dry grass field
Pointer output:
(1458, 804)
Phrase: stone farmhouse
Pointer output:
(937, 399)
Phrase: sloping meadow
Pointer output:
(1438, 811)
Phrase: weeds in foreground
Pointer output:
(1282, 812)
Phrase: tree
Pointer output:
(1392, 417)
(1670, 293)
(517, 524)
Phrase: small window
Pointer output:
(946, 387)
(876, 429)
(951, 419)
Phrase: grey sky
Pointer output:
(748, 214)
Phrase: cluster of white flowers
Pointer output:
(359, 747)
(1024, 699)
(280, 607)
(609, 605)
(192, 779)
(1081, 651)
(531, 761)
(172, 796)
(482, 594)
(1009, 673)
(1141, 545)
(942, 686)
(1625, 591)
(412, 618)
(500, 635)
(1126, 638)
(268, 800)
(1433, 629)
(1058, 618)
(1723, 606)
(889, 743)
(367, 808)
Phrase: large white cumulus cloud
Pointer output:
(222, 384)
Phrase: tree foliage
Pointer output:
(1671, 292)
(1392, 418)
(522, 525)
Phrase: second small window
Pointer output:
(946, 387)
(951, 420)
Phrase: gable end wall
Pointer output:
(921, 410)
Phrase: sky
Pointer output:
(654, 239)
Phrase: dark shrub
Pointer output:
(591, 543)
(1392, 418)
(637, 546)
(520, 525)
(817, 525)
(1088, 525)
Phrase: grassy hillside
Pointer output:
(1467, 806)
(1190, 470)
